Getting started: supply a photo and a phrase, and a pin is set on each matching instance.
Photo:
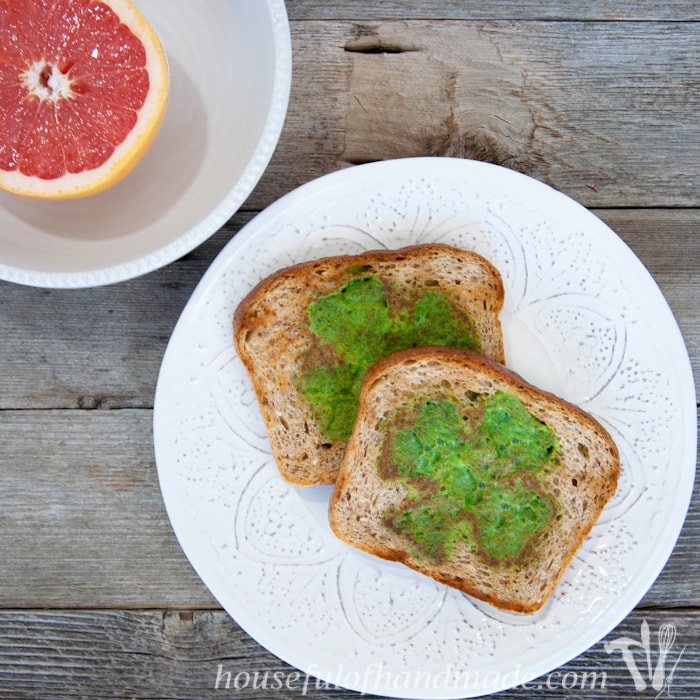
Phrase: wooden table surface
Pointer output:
(601, 100)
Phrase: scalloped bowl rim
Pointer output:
(206, 227)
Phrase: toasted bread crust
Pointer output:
(271, 334)
(585, 479)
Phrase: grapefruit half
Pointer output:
(83, 92)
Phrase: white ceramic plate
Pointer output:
(230, 76)
(582, 318)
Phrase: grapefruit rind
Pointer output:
(130, 151)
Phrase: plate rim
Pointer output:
(290, 200)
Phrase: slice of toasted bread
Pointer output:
(309, 418)
(463, 471)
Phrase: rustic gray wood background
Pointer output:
(599, 99)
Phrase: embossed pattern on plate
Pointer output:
(582, 318)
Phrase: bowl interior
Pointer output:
(215, 141)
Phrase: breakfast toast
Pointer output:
(307, 334)
(463, 471)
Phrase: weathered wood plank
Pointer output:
(204, 654)
(96, 348)
(611, 10)
(604, 111)
(82, 519)
(103, 347)
(82, 522)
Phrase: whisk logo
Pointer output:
(659, 664)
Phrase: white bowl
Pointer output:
(230, 76)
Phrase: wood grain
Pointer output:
(102, 348)
(603, 111)
(83, 522)
(197, 654)
(553, 10)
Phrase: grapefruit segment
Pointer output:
(83, 92)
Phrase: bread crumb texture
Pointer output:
(308, 333)
(463, 471)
